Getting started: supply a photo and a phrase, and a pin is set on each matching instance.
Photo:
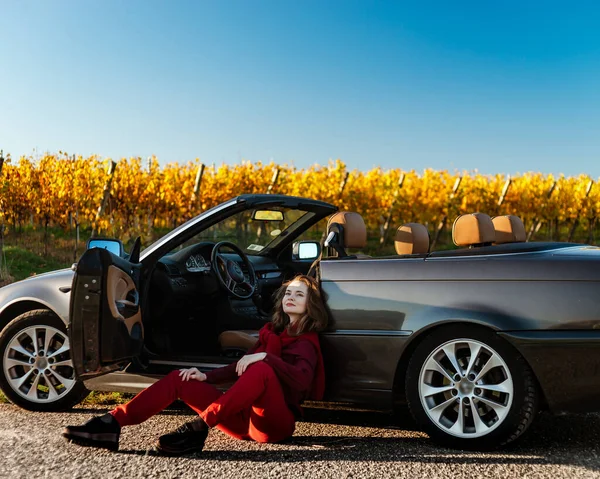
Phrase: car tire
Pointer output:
(488, 403)
(34, 378)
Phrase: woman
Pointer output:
(273, 378)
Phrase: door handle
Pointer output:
(127, 308)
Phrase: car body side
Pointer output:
(545, 303)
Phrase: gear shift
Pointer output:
(257, 299)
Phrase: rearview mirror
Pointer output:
(267, 215)
(306, 250)
(113, 245)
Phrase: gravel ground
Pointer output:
(328, 443)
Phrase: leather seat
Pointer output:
(346, 230)
(412, 238)
(509, 229)
(473, 230)
(242, 341)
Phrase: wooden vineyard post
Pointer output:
(76, 235)
(505, 190)
(274, 179)
(386, 224)
(149, 217)
(591, 227)
(343, 185)
(536, 224)
(74, 218)
(196, 191)
(3, 269)
(340, 193)
(105, 196)
(442, 224)
(576, 222)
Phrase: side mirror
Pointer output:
(113, 245)
(305, 250)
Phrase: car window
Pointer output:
(316, 232)
(250, 234)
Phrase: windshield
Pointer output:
(250, 234)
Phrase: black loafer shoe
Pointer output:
(100, 431)
(186, 439)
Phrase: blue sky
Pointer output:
(501, 87)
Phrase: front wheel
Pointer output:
(469, 389)
(37, 370)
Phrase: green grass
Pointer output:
(21, 263)
(95, 398)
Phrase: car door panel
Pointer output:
(120, 286)
(105, 330)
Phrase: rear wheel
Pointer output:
(37, 370)
(469, 389)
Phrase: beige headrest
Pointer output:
(355, 231)
(473, 229)
(412, 238)
(509, 229)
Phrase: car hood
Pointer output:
(50, 290)
(61, 277)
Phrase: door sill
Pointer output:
(200, 363)
(135, 381)
(121, 382)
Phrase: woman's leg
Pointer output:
(152, 400)
(253, 408)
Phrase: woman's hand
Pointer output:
(247, 360)
(192, 373)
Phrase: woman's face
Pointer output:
(294, 299)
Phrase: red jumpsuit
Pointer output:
(261, 405)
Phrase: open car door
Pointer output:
(105, 329)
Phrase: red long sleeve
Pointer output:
(295, 370)
(298, 369)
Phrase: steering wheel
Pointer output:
(229, 273)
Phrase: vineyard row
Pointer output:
(133, 196)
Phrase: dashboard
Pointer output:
(189, 270)
(185, 281)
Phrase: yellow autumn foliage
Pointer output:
(60, 190)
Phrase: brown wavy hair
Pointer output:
(316, 316)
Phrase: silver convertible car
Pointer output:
(475, 340)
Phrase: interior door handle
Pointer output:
(127, 308)
(126, 303)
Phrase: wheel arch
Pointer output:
(16, 308)
(399, 392)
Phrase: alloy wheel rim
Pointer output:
(466, 388)
(37, 364)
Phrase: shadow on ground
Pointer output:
(553, 440)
